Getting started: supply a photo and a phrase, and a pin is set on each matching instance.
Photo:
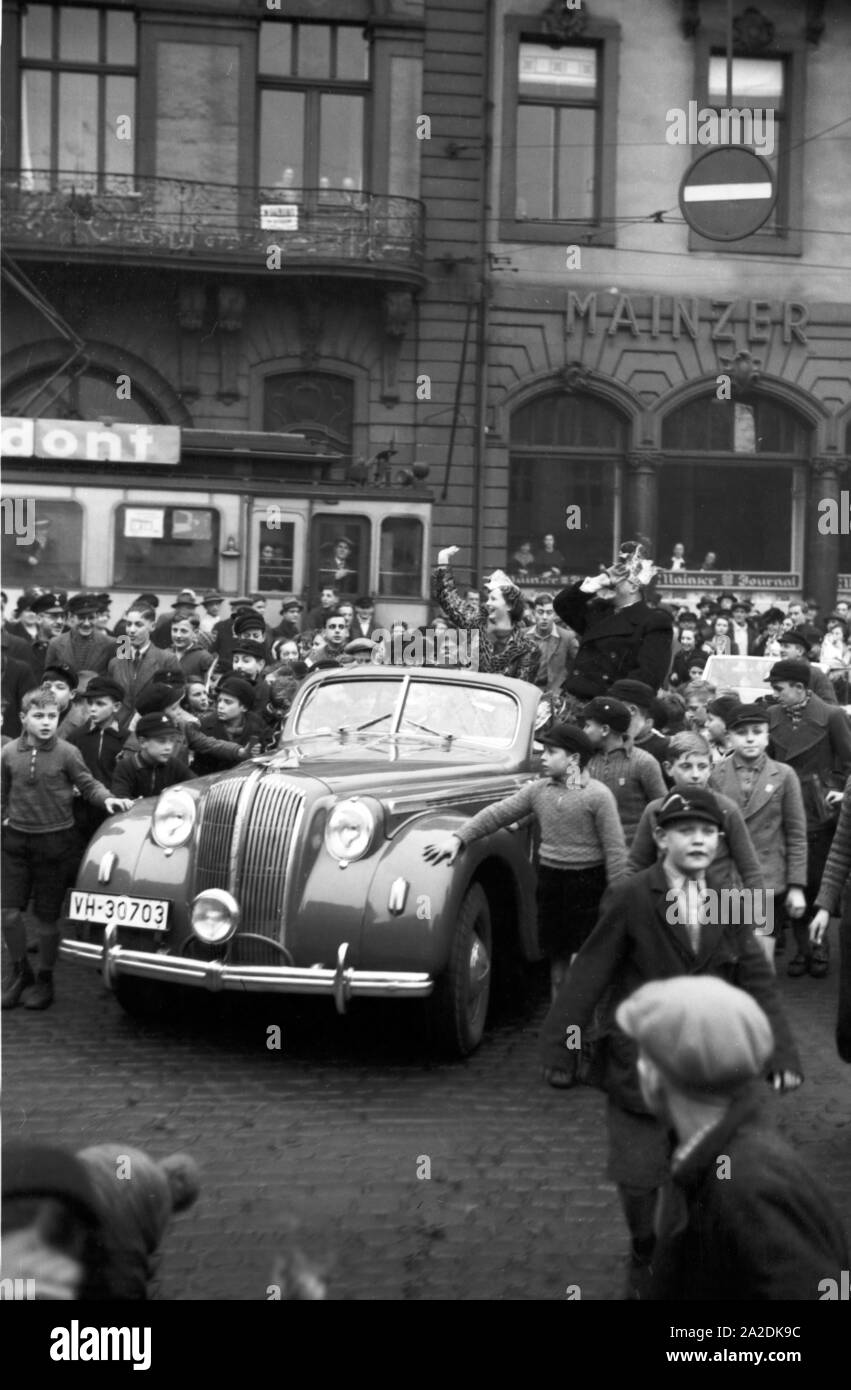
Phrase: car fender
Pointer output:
(412, 906)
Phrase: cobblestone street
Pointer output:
(325, 1138)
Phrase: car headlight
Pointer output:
(214, 917)
(351, 829)
(174, 818)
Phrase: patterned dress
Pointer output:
(518, 656)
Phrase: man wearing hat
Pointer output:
(796, 645)
(582, 844)
(360, 652)
(82, 647)
(768, 794)
(814, 739)
(633, 775)
(48, 615)
(291, 611)
(742, 628)
(186, 605)
(211, 604)
(655, 926)
(620, 636)
(154, 766)
(743, 1218)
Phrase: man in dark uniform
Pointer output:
(621, 636)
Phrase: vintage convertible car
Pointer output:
(302, 872)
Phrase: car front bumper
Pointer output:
(342, 983)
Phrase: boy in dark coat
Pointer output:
(100, 741)
(154, 767)
(814, 739)
(743, 1219)
(642, 936)
(833, 893)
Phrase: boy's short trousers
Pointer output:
(568, 907)
(38, 867)
(640, 1148)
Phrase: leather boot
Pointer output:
(21, 978)
(40, 995)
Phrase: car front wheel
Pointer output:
(458, 1007)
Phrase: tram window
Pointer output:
(275, 547)
(340, 551)
(173, 547)
(401, 561)
(42, 543)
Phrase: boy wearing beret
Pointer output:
(100, 741)
(763, 1229)
(61, 682)
(663, 922)
(814, 739)
(582, 844)
(40, 773)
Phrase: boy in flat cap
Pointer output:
(582, 844)
(633, 775)
(814, 739)
(40, 773)
(795, 646)
(742, 1218)
(61, 682)
(643, 707)
(100, 741)
(663, 922)
(768, 795)
(82, 647)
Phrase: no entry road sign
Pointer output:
(728, 193)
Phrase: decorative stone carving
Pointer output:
(641, 461)
(191, 307)
(398, 310)
(574, 377)
(231, 310)
(564, 21)
(752, 32)
(743, 369)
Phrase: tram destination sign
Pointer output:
(89, 441)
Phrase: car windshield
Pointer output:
(432, 708)
(747, 675)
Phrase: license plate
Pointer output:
(115, 907)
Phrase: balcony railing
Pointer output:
(161, 219)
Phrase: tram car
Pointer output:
(132, 508)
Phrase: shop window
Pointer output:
(401, 557)
(559, 134)
(546, 479)
(339, 554)
(759, 426)
(773, 87)
(275, 550)
(42, 543)
(314, 91)
(78, 76)
(169, 547)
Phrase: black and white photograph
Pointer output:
(426, 666)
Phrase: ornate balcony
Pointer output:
(160, 221)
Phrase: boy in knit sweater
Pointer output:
(582, 843)
(40, 847)
(633, 775)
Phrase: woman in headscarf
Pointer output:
(505, 645)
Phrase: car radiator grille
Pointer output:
(246, 838)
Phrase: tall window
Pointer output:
(314, 87)
(564, 454)
(759, 85)
(557, 119)
(737, 499)
(78, 80)
(559, 132)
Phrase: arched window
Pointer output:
(91, 395)
(726, 492)
(566, 451)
